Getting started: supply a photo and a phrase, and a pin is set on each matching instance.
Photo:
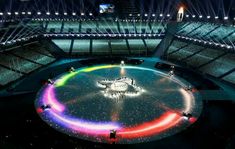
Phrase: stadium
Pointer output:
(105, 74)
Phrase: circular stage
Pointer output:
(117, 103)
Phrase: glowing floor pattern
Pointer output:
(78, 107)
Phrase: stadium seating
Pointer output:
(185, 52)
(81, 47)
(127, 28)
(221, 66)
(21, 60)
(33, 56)
(214, 62)
(54, 26)
(176, 45)
(64, 44)
(137, 46)
(88, 27)
(208, 31)
(189, 28)
(119, 46)
(100, 47)
(158, 27)
(17, 63)
(107, 26)
(203, 57)
(5, 73)
(71, 26)
(230, 78)
(152, 44)
(142, 28)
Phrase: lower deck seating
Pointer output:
(16, 63)
(21, 60)
(119, 46)
(220, 66)
(33, 56)
(81, 47)
(186, 52)
(8, 76)
(137, 46)
(64, 44)
(215, 62)
(204, 57)
(230, 77)
(152, 44)
(176, 45)
(100, 47)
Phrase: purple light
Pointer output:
(50, 99)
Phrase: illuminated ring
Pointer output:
(102, 129)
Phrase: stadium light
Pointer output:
(39, 13)
(225, 18)
(48, 13)
(187, 16)
(1, 13)
(145, 14)
(29, 13)
(57, 13)
(90, 14)
(138, 15)
(153, 15)
(193, 16)
(161, 15)
(200, 16)
(9, 13)
(23, 13)
(16, 13)
(74, 13)
(208, 17)
(65, 13)
(168, 15)
(216, 17)
(82, 14)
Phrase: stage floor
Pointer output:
(140, 104)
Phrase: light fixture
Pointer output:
(216, 17)
(90, 14)
(29, 13)
(48, 13)
(39, 13)
(56, 13)
(82, 14)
